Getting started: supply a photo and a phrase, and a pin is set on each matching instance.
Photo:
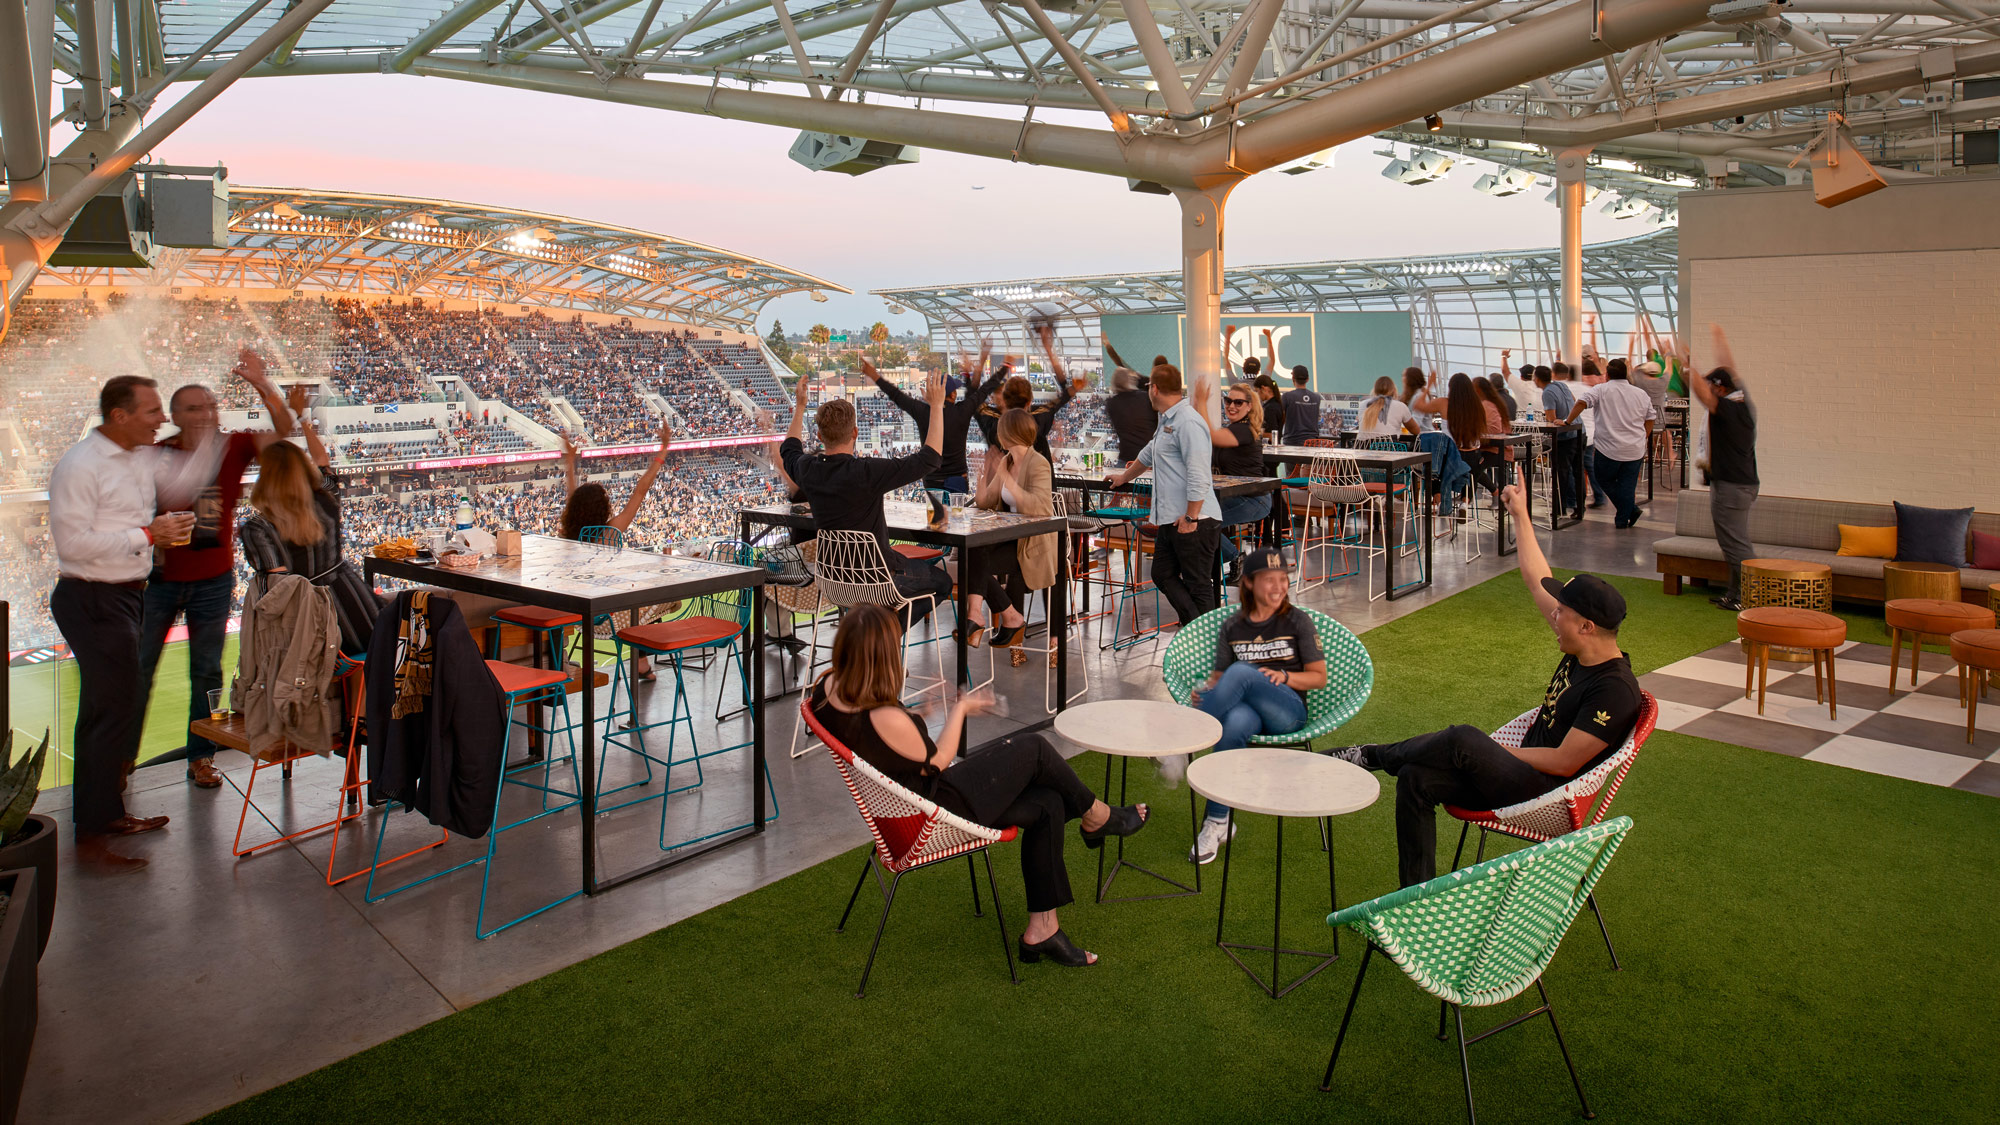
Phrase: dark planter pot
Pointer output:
(17, 987)
(35, 846)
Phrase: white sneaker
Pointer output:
(1213, 834)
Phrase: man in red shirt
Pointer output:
(200, 469)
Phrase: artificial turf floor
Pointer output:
(1801, 942)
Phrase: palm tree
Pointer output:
(878, 336)
(819, 335)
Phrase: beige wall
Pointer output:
(1868, 333)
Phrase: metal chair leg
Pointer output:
(972, 871)
(1326, 1081)
(1465, 1065)
(862, 989)
(1006, 943)
(1464, 826)
(1592, 900)
(867, 864)
(1564, 1048)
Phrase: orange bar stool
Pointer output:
(1785, 627)
(1927, 617)
(1977, 653)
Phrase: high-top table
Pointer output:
(592, 580)
(1281, 783)
(1389, 462)
(968, 529)
(1139, 728)
(1554, 431)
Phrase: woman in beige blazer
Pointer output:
(1014, 478)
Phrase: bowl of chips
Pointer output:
(401, 547)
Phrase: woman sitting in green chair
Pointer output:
(1267, 658)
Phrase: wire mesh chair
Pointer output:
(1334, 493)
(1350, 674)
(1480, 937)
(1582, 801)
(907, 832)
(1411, 495)
(849, 570)
(1074, 624)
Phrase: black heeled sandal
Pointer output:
(1007, 637)
(1123, 821)
(1058, 948)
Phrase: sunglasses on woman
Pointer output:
(1238, 402)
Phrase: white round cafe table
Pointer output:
(1284, 784)
(1138, 728)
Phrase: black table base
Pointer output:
(1118, 860)
(1277, 948)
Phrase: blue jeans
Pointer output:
(1246, 702)
(205, 604)
(1240, 510)
(1621, 482)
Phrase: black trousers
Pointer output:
(1184, 567)
(1459, 765)
(995, 575)
(1566, 462)
(1023, 783)
(100, 621)
(914, 577)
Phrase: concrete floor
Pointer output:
(204, 979)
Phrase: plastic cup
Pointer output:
(215, 711)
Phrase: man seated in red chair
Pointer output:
(1588, 711)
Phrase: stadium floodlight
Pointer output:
(1507, 181)
(1420, 168)
(1321, 159)
(852, 156)
(1744, 11)
(1589, 193)
(818, 296)
(896, 309)
(1628, 207)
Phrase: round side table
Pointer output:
(1284, 784)
(1919, 580)
(1139, 728)
(1789, 583)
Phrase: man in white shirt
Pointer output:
(102, 522)
(1625, 418)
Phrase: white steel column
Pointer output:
(1570, 165)
(1201, 288)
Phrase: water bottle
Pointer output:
(464, 514)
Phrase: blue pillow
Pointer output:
(1932, 535)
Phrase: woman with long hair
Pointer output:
(1238, 451)
(589, 505)
(1467, 417)
(1385, 415)
(1418, 396)
(296, 527)
(1014, 478)
(1267, 657)
(1020, 782)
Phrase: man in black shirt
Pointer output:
(1589, 709)
(1301, 405)
(1732, 464)
(846, 491)
(953, 474)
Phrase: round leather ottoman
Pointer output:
(1927, 617)
(1805, 629)
(1977, 652)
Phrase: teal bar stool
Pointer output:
(519, 687)
(549, 627)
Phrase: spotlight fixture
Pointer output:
(1589, 193)
(1507, 181)
(1321, 159)
(1629, 207)
(1433, 122)
(1420, 168)
(818, 296)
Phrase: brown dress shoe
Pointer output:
(133, 825)
(93, 853)
(203, 773)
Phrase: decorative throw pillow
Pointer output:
(1868, 542)
(1932, 535)
(1985, 551)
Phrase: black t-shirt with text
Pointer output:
(1285, 641)
(1244, 459)
(1601, 700)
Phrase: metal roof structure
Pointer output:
(1464, 308)
(366, 245)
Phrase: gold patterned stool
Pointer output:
(1919, 580)
(1789, 583)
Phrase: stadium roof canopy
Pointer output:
(385, 245)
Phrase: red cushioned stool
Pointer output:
(1787, 627)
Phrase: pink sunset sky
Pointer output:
(731, 185)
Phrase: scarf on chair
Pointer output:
(414, 655)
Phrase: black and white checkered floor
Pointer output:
(1918, 735)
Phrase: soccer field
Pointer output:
(43, 697)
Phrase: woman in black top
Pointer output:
(1019, 394)
(296, 528)
(1021, 782)
(1238, 452)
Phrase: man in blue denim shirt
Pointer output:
(1184, 506)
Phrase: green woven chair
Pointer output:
(1350, 674)
(1481, 935)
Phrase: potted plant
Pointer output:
(28, 839)
(18, 1005)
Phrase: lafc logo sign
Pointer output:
(1249, 341)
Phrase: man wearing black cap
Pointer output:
(953, 474)
(1587, 712)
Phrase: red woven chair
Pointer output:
(1583, 801)
(909, 832)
